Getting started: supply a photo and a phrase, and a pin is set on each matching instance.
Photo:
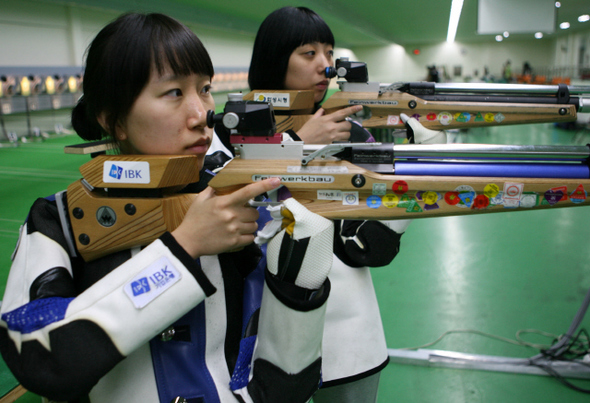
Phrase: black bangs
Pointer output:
(300, 26)
(120, 60)
(281, 32)
(176, 46)
(312, 29)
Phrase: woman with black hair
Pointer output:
(292, 49)
(105, 329)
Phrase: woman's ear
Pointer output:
(102, 121)
(119, 134)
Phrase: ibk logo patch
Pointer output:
(126, 172)
(140, 286)
(151, 282)
(116, 172)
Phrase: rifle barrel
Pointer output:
(491, 151)
(508, 88)
(492, 92)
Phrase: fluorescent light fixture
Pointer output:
(564, 25)
(506, 34)
(539, 35)
(456, 7)
(499, 38)
(582, 18)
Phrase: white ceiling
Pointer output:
(355, 23)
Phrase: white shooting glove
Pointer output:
(422, 135)
(301, 253)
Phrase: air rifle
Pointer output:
(130, 200)
(434, 105)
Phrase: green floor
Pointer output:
(496, 273)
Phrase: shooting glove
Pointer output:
(301, 253)
(367, 243)
(418, 134)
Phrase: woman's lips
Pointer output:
(322, 85)
(200, 147)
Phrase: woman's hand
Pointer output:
(216, 224)
(325, 129)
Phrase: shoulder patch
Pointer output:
(151, 282)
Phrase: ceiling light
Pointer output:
(584, 18)
(557, 4)
(456, 7)
(539, 35)
(499, 38)
(506, 34)
(564, 25)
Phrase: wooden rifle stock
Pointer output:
(385, 109)
(106, 221)
(435, 106)
(107, 217)
(342, 190)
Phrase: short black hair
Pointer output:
(279, 35)
(120, 60)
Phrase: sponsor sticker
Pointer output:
(151, 282)
(350, 198)
(329, 195)
(452, 198)
(430, 198)
(392, 120)
(462, 117)
(414, 207)
(489, 117)
(579, 195)
(465, 193)
(379, 189)
(374, 201)
(390, 200)
(528, 200)
(277, 99)
(126, 172)
(512, 192)
(491, 190)
(399, 187)
(404, 201)
(445, 118)
(480, 202)
(553, 196)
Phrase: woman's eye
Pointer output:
(310, 53)
(174, 93)
(206, 89)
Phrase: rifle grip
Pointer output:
(103, 225)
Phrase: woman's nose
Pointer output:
(323, 62)
(197, 113)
